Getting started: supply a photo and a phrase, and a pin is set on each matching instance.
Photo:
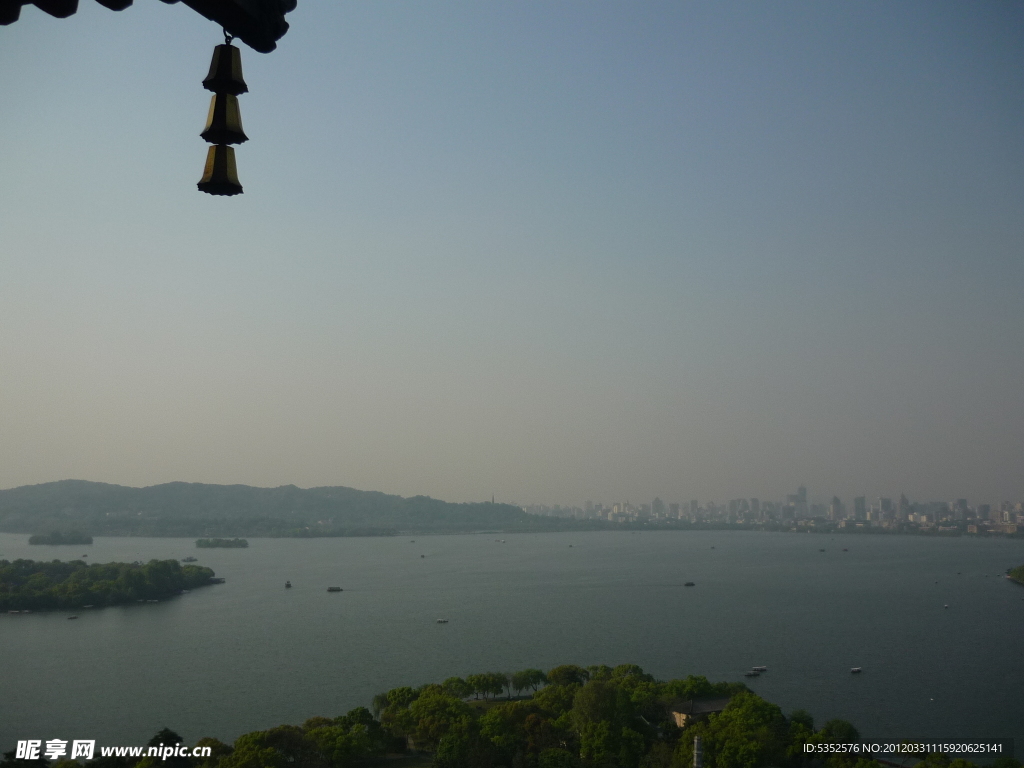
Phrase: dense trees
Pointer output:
(597, 717)
(528, 678)
(593, 717)
(32, 585)
(1017, 574)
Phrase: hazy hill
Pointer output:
(195, 509)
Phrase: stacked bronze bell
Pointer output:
(224, 122)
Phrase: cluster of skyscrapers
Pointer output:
(796, 511)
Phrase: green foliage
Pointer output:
(632, 747)
(556, 699)
(597, 743)
(435, 713)
(395, 715)
(349, 739)
(584, 718)
(401, 697)
(802, 717)
(568, 674)
(345, 741)
(218, 750)
(457, 687)
(599, 672)
(492, 683)
(699, 687)
(32, 585)
(750, 732)
(378, 703)
(528, 678)
(838, 732)
(557, 758)
(631, 672)
(595, 702)
(1017, 574)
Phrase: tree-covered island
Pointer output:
(222, 543)
(1016, 574)
(58, 537)
(37, 586)
(570, 717)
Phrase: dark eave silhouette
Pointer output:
(257, 23)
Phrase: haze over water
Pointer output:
(249, 654)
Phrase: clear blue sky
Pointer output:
(552, 251)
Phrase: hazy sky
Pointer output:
(553, 251)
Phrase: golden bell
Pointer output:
(224, 121)
(220, 176)
(226, 71)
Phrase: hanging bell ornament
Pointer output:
(226, 71)
(220, 176)
(224, 121)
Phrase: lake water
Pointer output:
(248, 654)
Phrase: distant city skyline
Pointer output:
(541, 250)
(805, 505)
(798, 509)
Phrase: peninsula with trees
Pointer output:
(28, 585)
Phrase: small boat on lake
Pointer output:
(855, 670)
(442, 621)
(760, 669)
(334, 589)
(752, 673)
(689, 584)
(72, 617)
(287, 585)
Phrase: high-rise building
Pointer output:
(835, 509)
(860, 508)
(657, 508)
(755, 506)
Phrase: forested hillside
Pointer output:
(196, 509)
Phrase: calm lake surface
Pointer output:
(248, 654)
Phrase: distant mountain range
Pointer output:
(196, 509)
